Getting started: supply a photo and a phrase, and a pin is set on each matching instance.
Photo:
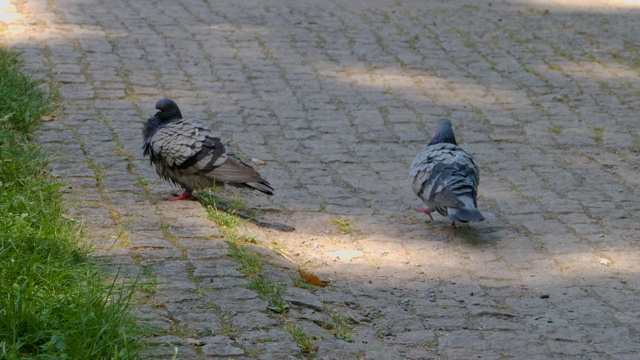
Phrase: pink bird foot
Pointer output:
(424, 210)
(186, 195)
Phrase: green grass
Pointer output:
(301, 337)
(54, 303)
(599, 134)
(468, 43)
(252, 265)
(340, 327)
(22, 103)
(521, 40)
(345, 226)
(554, 67)
(555, 129)
(560, 52)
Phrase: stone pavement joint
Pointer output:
(336, 98)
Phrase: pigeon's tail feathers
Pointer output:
(263, 186)
(465, 213)
(241, 175)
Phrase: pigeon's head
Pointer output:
(168, 110)
(444, 133)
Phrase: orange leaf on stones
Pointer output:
(312, 279)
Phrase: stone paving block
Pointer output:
(471, 354)
(149, 255)
(220, 346)
(620, 348)
(233, 306)
(253, 321)
(149, 239)
(168, 352)
(216, 269)
(569, 348)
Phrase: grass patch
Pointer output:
(271, 291)
(599, 134)
(554, 67)
(345, 226)
(303, 338)
(340, 327)
(469, 44)
(22, 102)
(555, 129)
(521, 41)
(54, 303)
(253, 266)
(226, 327)
(543, 12)
(560, 52)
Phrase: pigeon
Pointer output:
(445, 178)
(188, 154)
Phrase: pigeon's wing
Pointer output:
(447, 198)
(187, 145)
(430, 164)
(440, 172)
(190, 154)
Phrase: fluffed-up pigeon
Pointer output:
(188, 154)
(445, 178)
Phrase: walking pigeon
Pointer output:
(446, 178)
(189, 155)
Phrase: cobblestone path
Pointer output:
(337, 97)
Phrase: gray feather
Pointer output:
(445, 177)
(188, 154)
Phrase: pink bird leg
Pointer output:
(186, 195)
(424, 210)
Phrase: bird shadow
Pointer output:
(474, 235)
(464, 233)
(235, 207)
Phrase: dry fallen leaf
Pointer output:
(159, 304)
(312, 279)
(48, 117)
